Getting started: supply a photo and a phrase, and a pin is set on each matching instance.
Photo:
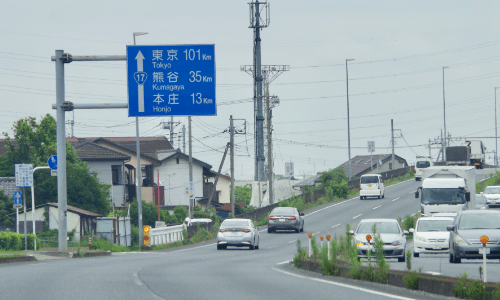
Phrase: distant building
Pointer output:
(366, 164)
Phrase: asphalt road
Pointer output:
(202, 272)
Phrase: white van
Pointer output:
(423, 162)
(371, 185)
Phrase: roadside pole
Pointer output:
(33, 206)
(484, 240)
(25, 231)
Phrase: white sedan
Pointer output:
(431, 236)
(238, 233)
(492, 195)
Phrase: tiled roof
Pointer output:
(311, 181)
(76, 210)
(89, 151)
(361, 163)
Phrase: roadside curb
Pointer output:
(439, 285)
(54, 255)
(6, 260)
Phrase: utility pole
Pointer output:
(392, 134)
(212, 193)
(172, 131)
(496, 136)
(191, 204)
(430, 155)
(257, 25)
(270, 160)
(444, 118)
(348, 124)
(183, 138)
(231, 154)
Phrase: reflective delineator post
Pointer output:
(310, 244)
(484, 240)
(328, 243)
(90, 242)
(321, 238)
(368, 238)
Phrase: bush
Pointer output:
(315, 249)
(476, 290)
(411, 280)
(460, 288)
(496, 292)
(382, 264)
(327, 265)
(301, 254)
(14, 242)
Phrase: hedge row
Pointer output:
(13, 241)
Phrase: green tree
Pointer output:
(335, 176)
(6, 204)
(6, 167)
(34, 143)
(243, 194)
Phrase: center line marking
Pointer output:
(395, 199)
(377, 207)
(335, 225)
(357, 216)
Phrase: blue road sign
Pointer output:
(171, 80)
(17, 198)
(24, 175)
(52, 162)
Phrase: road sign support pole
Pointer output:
(17, 220)
(33, 205)
(62, 196)
(25, 231)
(191, 199)
(484, 264)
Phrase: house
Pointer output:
(372, 164)
(80, 220)
(173, 174)
(109, 165)
(311, 181)
(223, 193)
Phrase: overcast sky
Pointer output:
(400, 48)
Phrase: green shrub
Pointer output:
(408, 260)
(460, 288)
(315, 249)
(411, 280)
(476, 290)
(496, 292)
(14, 242)
(301, 254)
(327, 265)
(409, 222)
(105, 245)
(355, 270)
(369, 273)
(382, 265)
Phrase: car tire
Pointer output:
(383, 196)
(302, 229)
(416, 254)
(361, 198)
(379, 196)
(297, 230)
(251, 247)
(219, 247)
(451, 258)
(269, 230)
(402, 259)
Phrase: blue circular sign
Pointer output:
(52, 162)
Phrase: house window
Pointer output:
(115, 173)
(177, 159)
(390, 166)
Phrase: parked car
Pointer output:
(431, 236)
(371, 185)
(480, 202)
(492, 194)
(466, 231)
(285, 218)
(238, 233)
(390, 232)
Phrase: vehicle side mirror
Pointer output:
(467, 196)
(482, 193)
(416, 194)
(450, 227)
(351, 232)
(301, 214)
(412, 230)
(406, 232)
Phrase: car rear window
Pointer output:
(423, 164)
(433, 225)
(492, 190)
(480, 221)
(381, 227)
(235, 223)
(283, 210)
(369, 179)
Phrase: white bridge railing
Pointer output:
(166, 235)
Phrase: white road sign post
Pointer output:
(24, 178)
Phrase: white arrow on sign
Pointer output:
(140, 77)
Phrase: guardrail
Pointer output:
(166, 235)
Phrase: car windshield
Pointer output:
(423, 164)
(369, 179)
(381, 227)
(480, 221)
(235, 223)
(433, 225)
(443, 196)
(283, 211)
(492, 190)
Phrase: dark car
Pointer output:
(285, 218)
(466, 231)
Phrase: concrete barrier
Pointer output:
(166, 235)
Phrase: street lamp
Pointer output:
(496, 137)
(444, 117)
(139, 170)
(348, 126)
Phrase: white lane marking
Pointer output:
(330, 206)
(346, 286)
(396, 199)
(416, 213)
(335, 225)
(357, 216)
(284, 262)
(412, 193)
(433, 273)
(315, 233)
(292, 241)
(377, 207)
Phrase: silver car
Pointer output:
(238, 233)
(390, 232)
(285, 218)
(492, 195)
(466, 231)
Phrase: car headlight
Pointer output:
(460, 241)
(396, 243)
(421, 239)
